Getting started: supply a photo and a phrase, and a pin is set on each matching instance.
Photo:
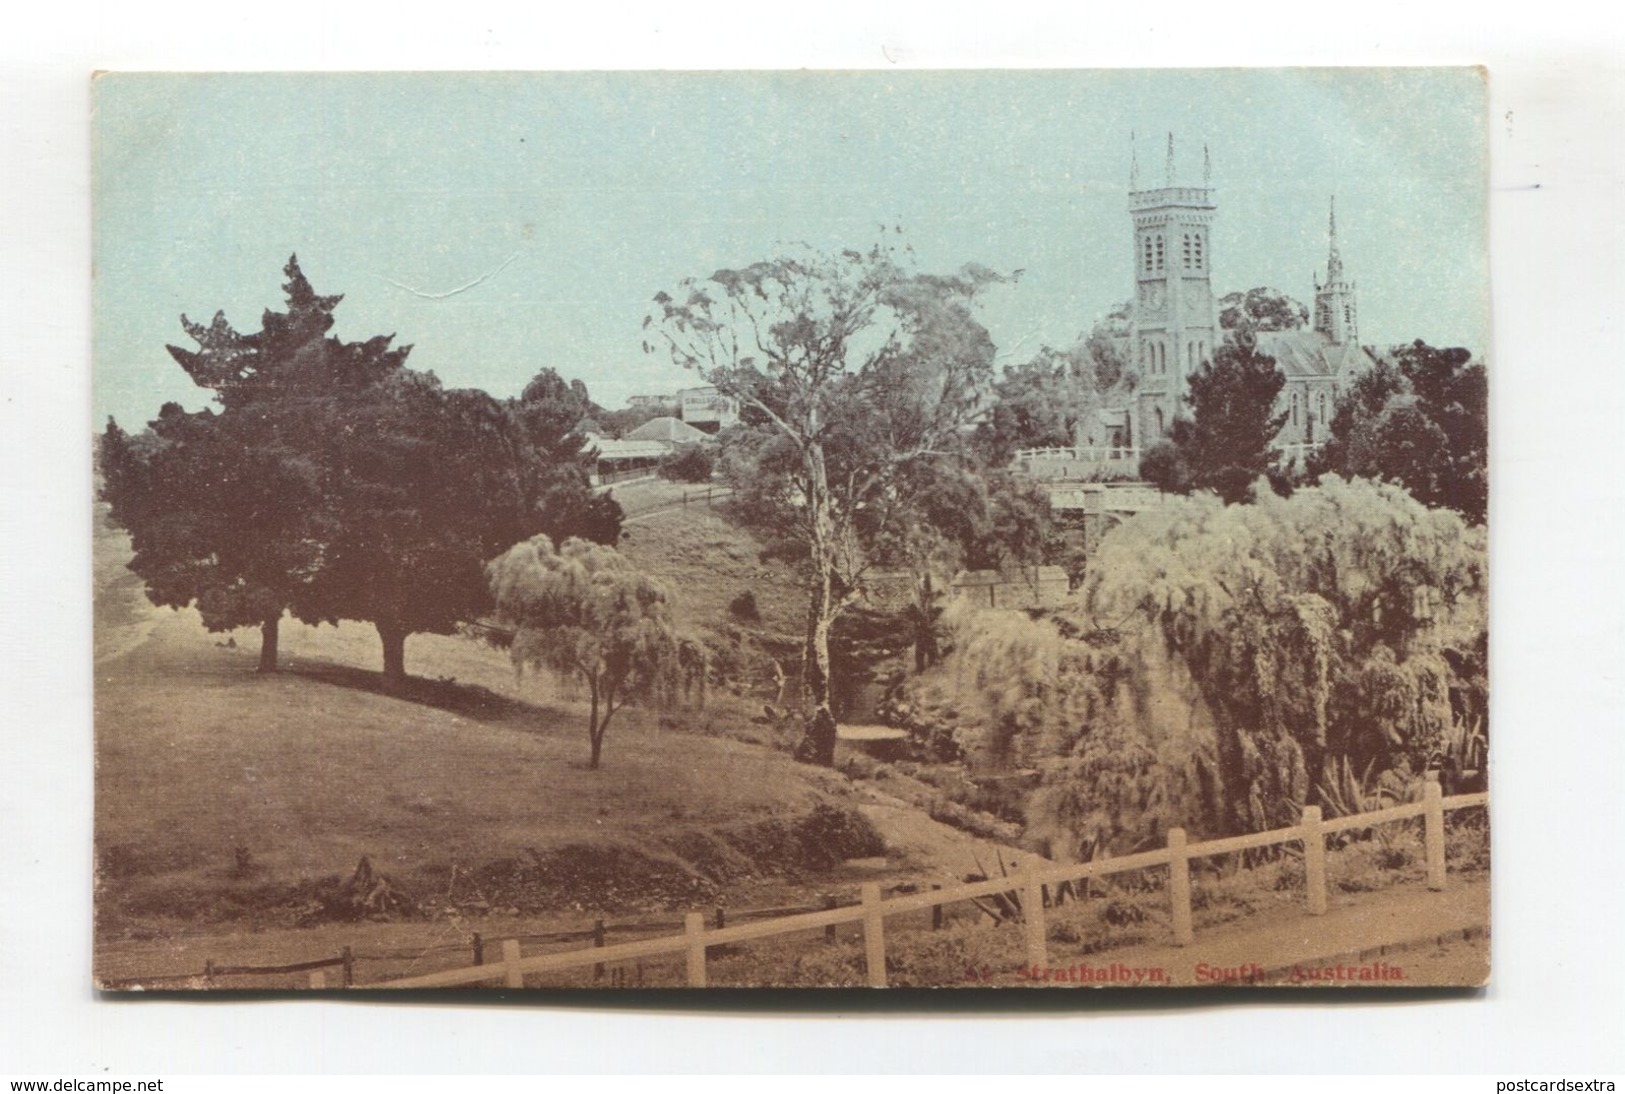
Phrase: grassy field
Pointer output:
(227, 800)
(229, 805)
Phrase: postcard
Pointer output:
(791, 529)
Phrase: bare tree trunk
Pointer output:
(269, 631)
(595, 730)
(393, 636)
(818, 742)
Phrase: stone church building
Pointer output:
(1174, 320)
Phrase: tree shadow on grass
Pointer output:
(467, 700)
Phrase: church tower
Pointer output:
(1174, 327)
(1335, 313)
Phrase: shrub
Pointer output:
(693, 463)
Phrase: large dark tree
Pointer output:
(336, 483)
(1224, 444)
(1421, 420)
(558, 463)
(225, 509)
(858, 368)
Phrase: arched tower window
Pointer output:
(1320, 412)
(1197, 239)
(1160, 266)
(1159, 422)
(1294, 408)
(1188, 256)
(1145, 258)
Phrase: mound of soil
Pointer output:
(588, 877)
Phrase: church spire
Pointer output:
(1133, 163)
(1207, 169)
(1170, 181)
(1334, 261)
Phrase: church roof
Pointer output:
(1309, 354)
(668, 429)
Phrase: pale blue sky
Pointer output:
(587, 193)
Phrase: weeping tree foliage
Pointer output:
(858, 368)
(583, 610)
(1224, 663)
(1345, 622)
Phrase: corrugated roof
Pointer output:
(609, 449)
(668, 429)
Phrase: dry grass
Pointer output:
(706, 562)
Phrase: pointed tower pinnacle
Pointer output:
(1133, 163)
(1207, 169)
(1170, 181)
(1334, 261)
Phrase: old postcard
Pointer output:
(638, 530)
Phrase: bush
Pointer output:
(743, 608)
(694, 463)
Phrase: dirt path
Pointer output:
(1410, 938)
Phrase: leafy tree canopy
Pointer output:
(336, 483)
(583, 610)
(1222, 663)
(1224, 445)
(1261, 309)
(1420, 419)
(858, 367)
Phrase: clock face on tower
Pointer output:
(1193, 304)
(1153, 298)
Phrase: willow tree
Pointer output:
(859, 367)
(583, 610)
(1345, 622)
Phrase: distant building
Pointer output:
(1174, 325)
(707, 409)
(668, 431)
(618, 460)
(647, 402)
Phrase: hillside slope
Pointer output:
(224, 796)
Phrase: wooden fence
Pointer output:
(1030, 884)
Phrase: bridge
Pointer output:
(1104, 499)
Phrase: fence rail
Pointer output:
(1097, 454)
(872, 910)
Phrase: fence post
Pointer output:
(874, 936)
(318, 979)
(1433, 829)
(479, 949)
(829, 931)
(694, 927)
(936, 912)
(208, 972)
(1179, 887)
(348, 960)
(1032, 918)
(511, 976)
(722, 920)
(598, 943)
(1314, 859)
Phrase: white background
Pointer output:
(1557, 1004)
